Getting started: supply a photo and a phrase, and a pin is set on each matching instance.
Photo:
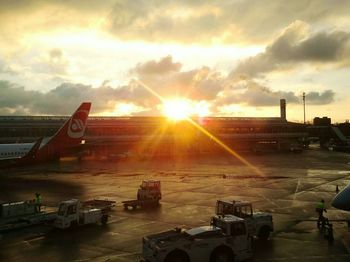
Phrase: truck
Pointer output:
(226, 239)
(72, 213)
(16, 215)
(149, 194)
(259, 224)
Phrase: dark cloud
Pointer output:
(15, 98)
(163, 66)
(296, 45)
(317, 98)
(63, 99)
(164, 77)
(253, 94)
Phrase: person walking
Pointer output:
(320, 208)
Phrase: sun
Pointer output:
(177, 109)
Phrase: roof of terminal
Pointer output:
(126, 118)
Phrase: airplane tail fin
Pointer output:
(69, 135)
(72, 132)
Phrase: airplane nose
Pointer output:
(342, 200)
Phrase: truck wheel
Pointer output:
(104, 219)
(264, 233)
(177, 256)
(222, 254)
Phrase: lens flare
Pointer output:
(177, 109)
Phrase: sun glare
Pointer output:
(177, 109)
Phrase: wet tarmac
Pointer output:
(287, 185)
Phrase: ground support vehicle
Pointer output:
(148, 195)
(72, 213)
(227, 239)
(21, 214)
(259, 224)
(139, 203)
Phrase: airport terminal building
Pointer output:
(110, 136)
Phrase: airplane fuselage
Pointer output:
(14, 150)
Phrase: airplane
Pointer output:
(342, 199)
(68, 137)
(20, 157)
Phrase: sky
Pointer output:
(223, 58)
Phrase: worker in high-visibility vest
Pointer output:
(38, 201)
(320, 208)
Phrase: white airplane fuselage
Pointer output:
(14, 150)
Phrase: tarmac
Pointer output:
(286, 185)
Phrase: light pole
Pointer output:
(304, 106)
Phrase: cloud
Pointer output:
(62, 100)
(317, 98)
(253, 94)
(53, 63)
(183, 21)
(166, 78)
(5, 68)
(214, 20)
(163, 66)
(22, 20)
(295, 45)
(14, 99)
